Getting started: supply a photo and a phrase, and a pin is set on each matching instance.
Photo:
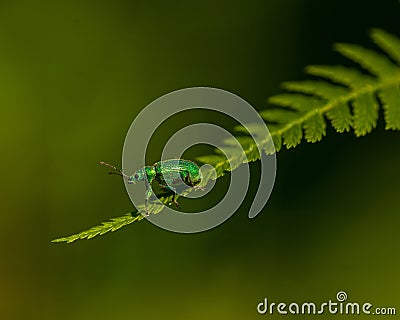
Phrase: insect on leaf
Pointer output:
(347, 97)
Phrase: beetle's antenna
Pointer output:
(119, 173)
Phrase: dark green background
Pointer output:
(74, 74)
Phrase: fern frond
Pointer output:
(375, 63)
(349, 77)
(388, 42)
(114, 224)
(348, 98)
(391, 101)
(319, 88)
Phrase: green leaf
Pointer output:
(390, 97)
(388, 43)
(277, 139)
(298, 102)
(372, 61)
(219, 163)
(365, 114)
(340, 117)
(303, 112)
(113, 225)
(343, 75)
(322, 89)
(278, 115)
(249, 146)
(315, 128)
(292, 137)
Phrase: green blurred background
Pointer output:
(73, 75)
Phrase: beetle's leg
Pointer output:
(193, 186)
(164, 187)
(199, 188)
(174, 199)
(147, 196)
(146, 201)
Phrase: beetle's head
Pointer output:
(139, 175)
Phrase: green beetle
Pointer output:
(168, 173)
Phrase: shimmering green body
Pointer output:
(171, 174)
